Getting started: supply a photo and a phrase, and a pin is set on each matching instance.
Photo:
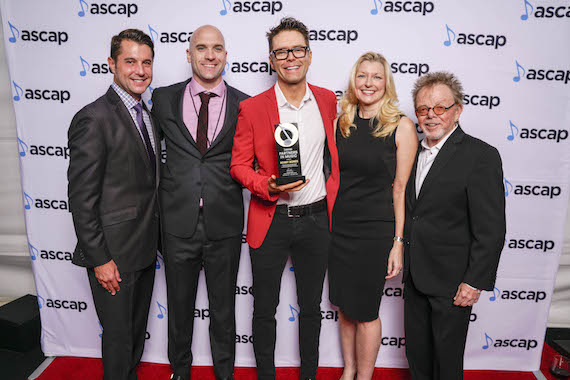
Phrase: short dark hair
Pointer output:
(288, 23)
(134, 35)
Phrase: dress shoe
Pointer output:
(176, 377)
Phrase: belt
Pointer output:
(304, 210)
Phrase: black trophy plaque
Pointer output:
(288, 154)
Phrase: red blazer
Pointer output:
(254, 139)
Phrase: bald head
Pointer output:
(207, 55)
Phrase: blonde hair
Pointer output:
(388, 116)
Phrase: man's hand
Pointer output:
(108, 276)
(293, 186)
(466, 295)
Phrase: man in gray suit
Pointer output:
(113, 200)
(201, 205)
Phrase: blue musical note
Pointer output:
(374, 11)
(151, 90)
(33, 252)
(496, 293)
(152, 33)
(27, 201)
(158, 260)
(224, 11)
(526, 5)
(292, 317)
(12, 29)
(508, 187)
(83, 64)
(19, 91)
(292, 269)
(487, 339)
(161, 310)
(514, 131)
(24, 147)
(41, 301)
(81, 13)
(519, 68)
(101, 327)
(448, 42)
(226, 68)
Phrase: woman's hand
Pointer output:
(395, 260)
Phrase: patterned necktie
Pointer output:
(146, 138)
(202, 133)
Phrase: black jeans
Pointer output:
(306, 239)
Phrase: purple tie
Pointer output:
(146, 138)
(202, 133)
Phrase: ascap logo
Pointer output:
(53, 204)
(61, 96)
(107, 9)
(346, 36)
(524, 343)
(489, 40)
(553, 135)
(78, 306)
(532, 190)
(549, 74)
(488, 101)
(161, 310)
(168, 37)
(37, 35)
(417, 7)
(159, 261)
(393, 341)
(34, 253)
(249, 67)
(531, 244)
(93, 68)
(558, 11)
(42, 150)
(251, 6)
(519, 295)
(409, 68)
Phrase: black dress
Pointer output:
(363, 221)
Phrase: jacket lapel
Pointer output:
(411, 188)
(177, 104)
(445, 154)
(157, 146)
(230, 115)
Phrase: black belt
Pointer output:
(304, 210)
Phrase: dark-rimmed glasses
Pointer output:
(438, 110)
(298, 52)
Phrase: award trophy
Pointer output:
(288, 154)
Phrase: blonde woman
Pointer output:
(377, 145)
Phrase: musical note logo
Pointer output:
(84, 63)
(12, 30)
(81, 13)
(488, 341)
(19, 92)
(159, 260)
(508, 187)
(33, 251)
(448, 30)
(153, 33)
(496, 293)
(41, 301)
(101, 327)
(224, 11)
(374, 11)
(161, 309)
(23, 147)
(226, 69)
(519, 68)
(514, 131)
(292, 269)
(151, 90)
(527, 13)
(292, 317)
(27, 201)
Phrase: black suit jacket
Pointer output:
(112, 188)
(455, 229)
(187, 175)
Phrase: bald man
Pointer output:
(201, 205)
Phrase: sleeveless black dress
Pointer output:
(362, 222)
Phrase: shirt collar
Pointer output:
(282, 100)
(196, 88)
(438, 146)
(126, 98)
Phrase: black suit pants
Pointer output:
(184, 258)
(123, 318)
(306, 239)
(436, 332)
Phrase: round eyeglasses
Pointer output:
(438, 110)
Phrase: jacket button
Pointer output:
(414, 218)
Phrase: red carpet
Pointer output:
(72, 368)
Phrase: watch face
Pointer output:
(286, 134)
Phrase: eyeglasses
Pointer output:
(438, 110)
(298, 52)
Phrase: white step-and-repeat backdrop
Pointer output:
(512, 57)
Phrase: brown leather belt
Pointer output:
(304, 210)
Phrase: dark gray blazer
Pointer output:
(112, 189)
(187, 175)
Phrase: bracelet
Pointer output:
(398, 238)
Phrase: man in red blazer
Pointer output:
(292, 219)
